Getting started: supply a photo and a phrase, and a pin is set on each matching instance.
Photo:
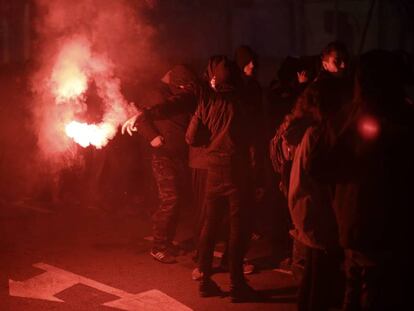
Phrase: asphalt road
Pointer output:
(74, 258)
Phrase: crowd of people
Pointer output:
(338, 131)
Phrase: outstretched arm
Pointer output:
(140, 123)
(129, 125)
(174, 105)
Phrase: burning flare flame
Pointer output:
(90, 134)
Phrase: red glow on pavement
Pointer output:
(369, 127)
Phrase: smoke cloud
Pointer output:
(105, 43)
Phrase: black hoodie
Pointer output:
(169, 117)
(220, 111)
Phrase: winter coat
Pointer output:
(168, 116)
(220, 112)
(310, 201)
(368, 152)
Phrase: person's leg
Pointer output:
(239, 235)
(321, 281)
(198, 179)
(211, 222)
(166, 216)
(305, 282)
(298, 258)
(329, 280)
(208, 233)
(380, 285)
(353, 282)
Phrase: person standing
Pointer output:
(310, 200)
(367, 152)
(220, 111)
(164, 125)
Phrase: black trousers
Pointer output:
(376, 281)
(322, 286)
(225, 192)
(198, 181)
(170, 176)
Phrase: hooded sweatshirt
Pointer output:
(220, 112)
(169, 117)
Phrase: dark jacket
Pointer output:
(220, 112)
(323, 97)
(367, 151)
(170, 114)
(310, 201)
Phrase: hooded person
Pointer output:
(367, 152)
(163, 124)
(252, 98)
(213, 77)
(310, 201)
(251, 91)
(220, 112)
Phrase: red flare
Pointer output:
(369, 127)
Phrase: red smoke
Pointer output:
(83, 42)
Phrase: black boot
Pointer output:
(242, 292)
(209, 288)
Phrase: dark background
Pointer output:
(186, 31)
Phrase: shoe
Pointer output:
(248, 268)
(286, 264)
(197, 275)
(242, 292)
(163, 255)
(173, 249)
(209, 288)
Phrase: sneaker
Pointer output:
(243, 293)
(197, 275)
(286, 264)
(163, 255)
(173, 249)
(248, 268)
(209, 288)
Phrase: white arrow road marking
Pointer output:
(43, 286)
(46, 285)
(152, 300)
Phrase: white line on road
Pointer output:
(54, 280)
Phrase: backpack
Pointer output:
(281, 159)
(283, 146)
